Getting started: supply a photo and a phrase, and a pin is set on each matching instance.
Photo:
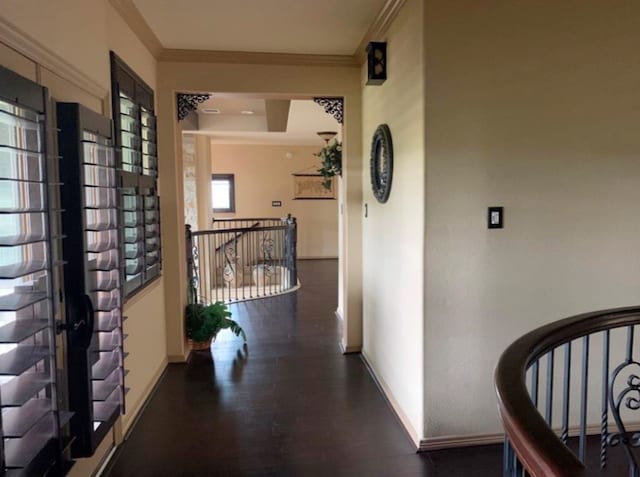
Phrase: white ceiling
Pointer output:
(333, 27)
(305, 119)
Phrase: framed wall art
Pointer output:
(310, 187)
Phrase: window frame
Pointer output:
(144, 186)
(232, 193)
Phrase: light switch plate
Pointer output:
(495, 218)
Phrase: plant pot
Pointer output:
(199, 345)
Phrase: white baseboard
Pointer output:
(148, 391)
(179, 358)
(125, 428)
(106, 461)
(393, 403)
(344, 349)
(449, 442)
(349, 349)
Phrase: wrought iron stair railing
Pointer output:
(242, 259)
(568, 395)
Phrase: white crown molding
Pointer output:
(132, 17)
(379, 27)
(24, 44)
(255, 58)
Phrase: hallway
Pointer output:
(287, 404)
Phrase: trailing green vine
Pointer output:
(331, 156)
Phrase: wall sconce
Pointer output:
(376, 63)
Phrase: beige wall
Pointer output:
(263, 174)
(288, 81)
(393, 233)
(73, 29)
(77, 35)
(531, 106)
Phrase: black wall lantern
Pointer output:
(376, 63)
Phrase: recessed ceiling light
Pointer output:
(211, 111)
(246, 111)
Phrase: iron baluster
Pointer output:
(535, 371)
(549, 399)
(583, 402)
(604, 418)
(566, 395)
(508, 457)
(519, 470)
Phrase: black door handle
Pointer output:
(80, 323)
(89, 313)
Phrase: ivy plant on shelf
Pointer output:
(204, 322)
(331, 157)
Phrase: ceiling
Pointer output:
(332, 27)
(301, 122)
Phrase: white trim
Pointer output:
(255, 58)
(344, 349)
(378, 29)
(144, 400)
(135, 415)
(179, 358)
(106, 461)
(24, 44)
(136, 21)
(138, 25)
(395, 406)
(448, 442)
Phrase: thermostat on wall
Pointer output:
(276, 203)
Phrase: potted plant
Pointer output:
(203, 322)
(331, 156)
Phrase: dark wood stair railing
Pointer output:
(532, 446)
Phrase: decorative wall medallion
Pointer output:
(333, 106)
(189, 102)
(381, 163)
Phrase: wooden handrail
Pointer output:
(238, 230)
(261, 219)
(537, 446)
(237, 235)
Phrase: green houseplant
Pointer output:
(204, 322)
(331, 156)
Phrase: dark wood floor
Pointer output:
(287, 404)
